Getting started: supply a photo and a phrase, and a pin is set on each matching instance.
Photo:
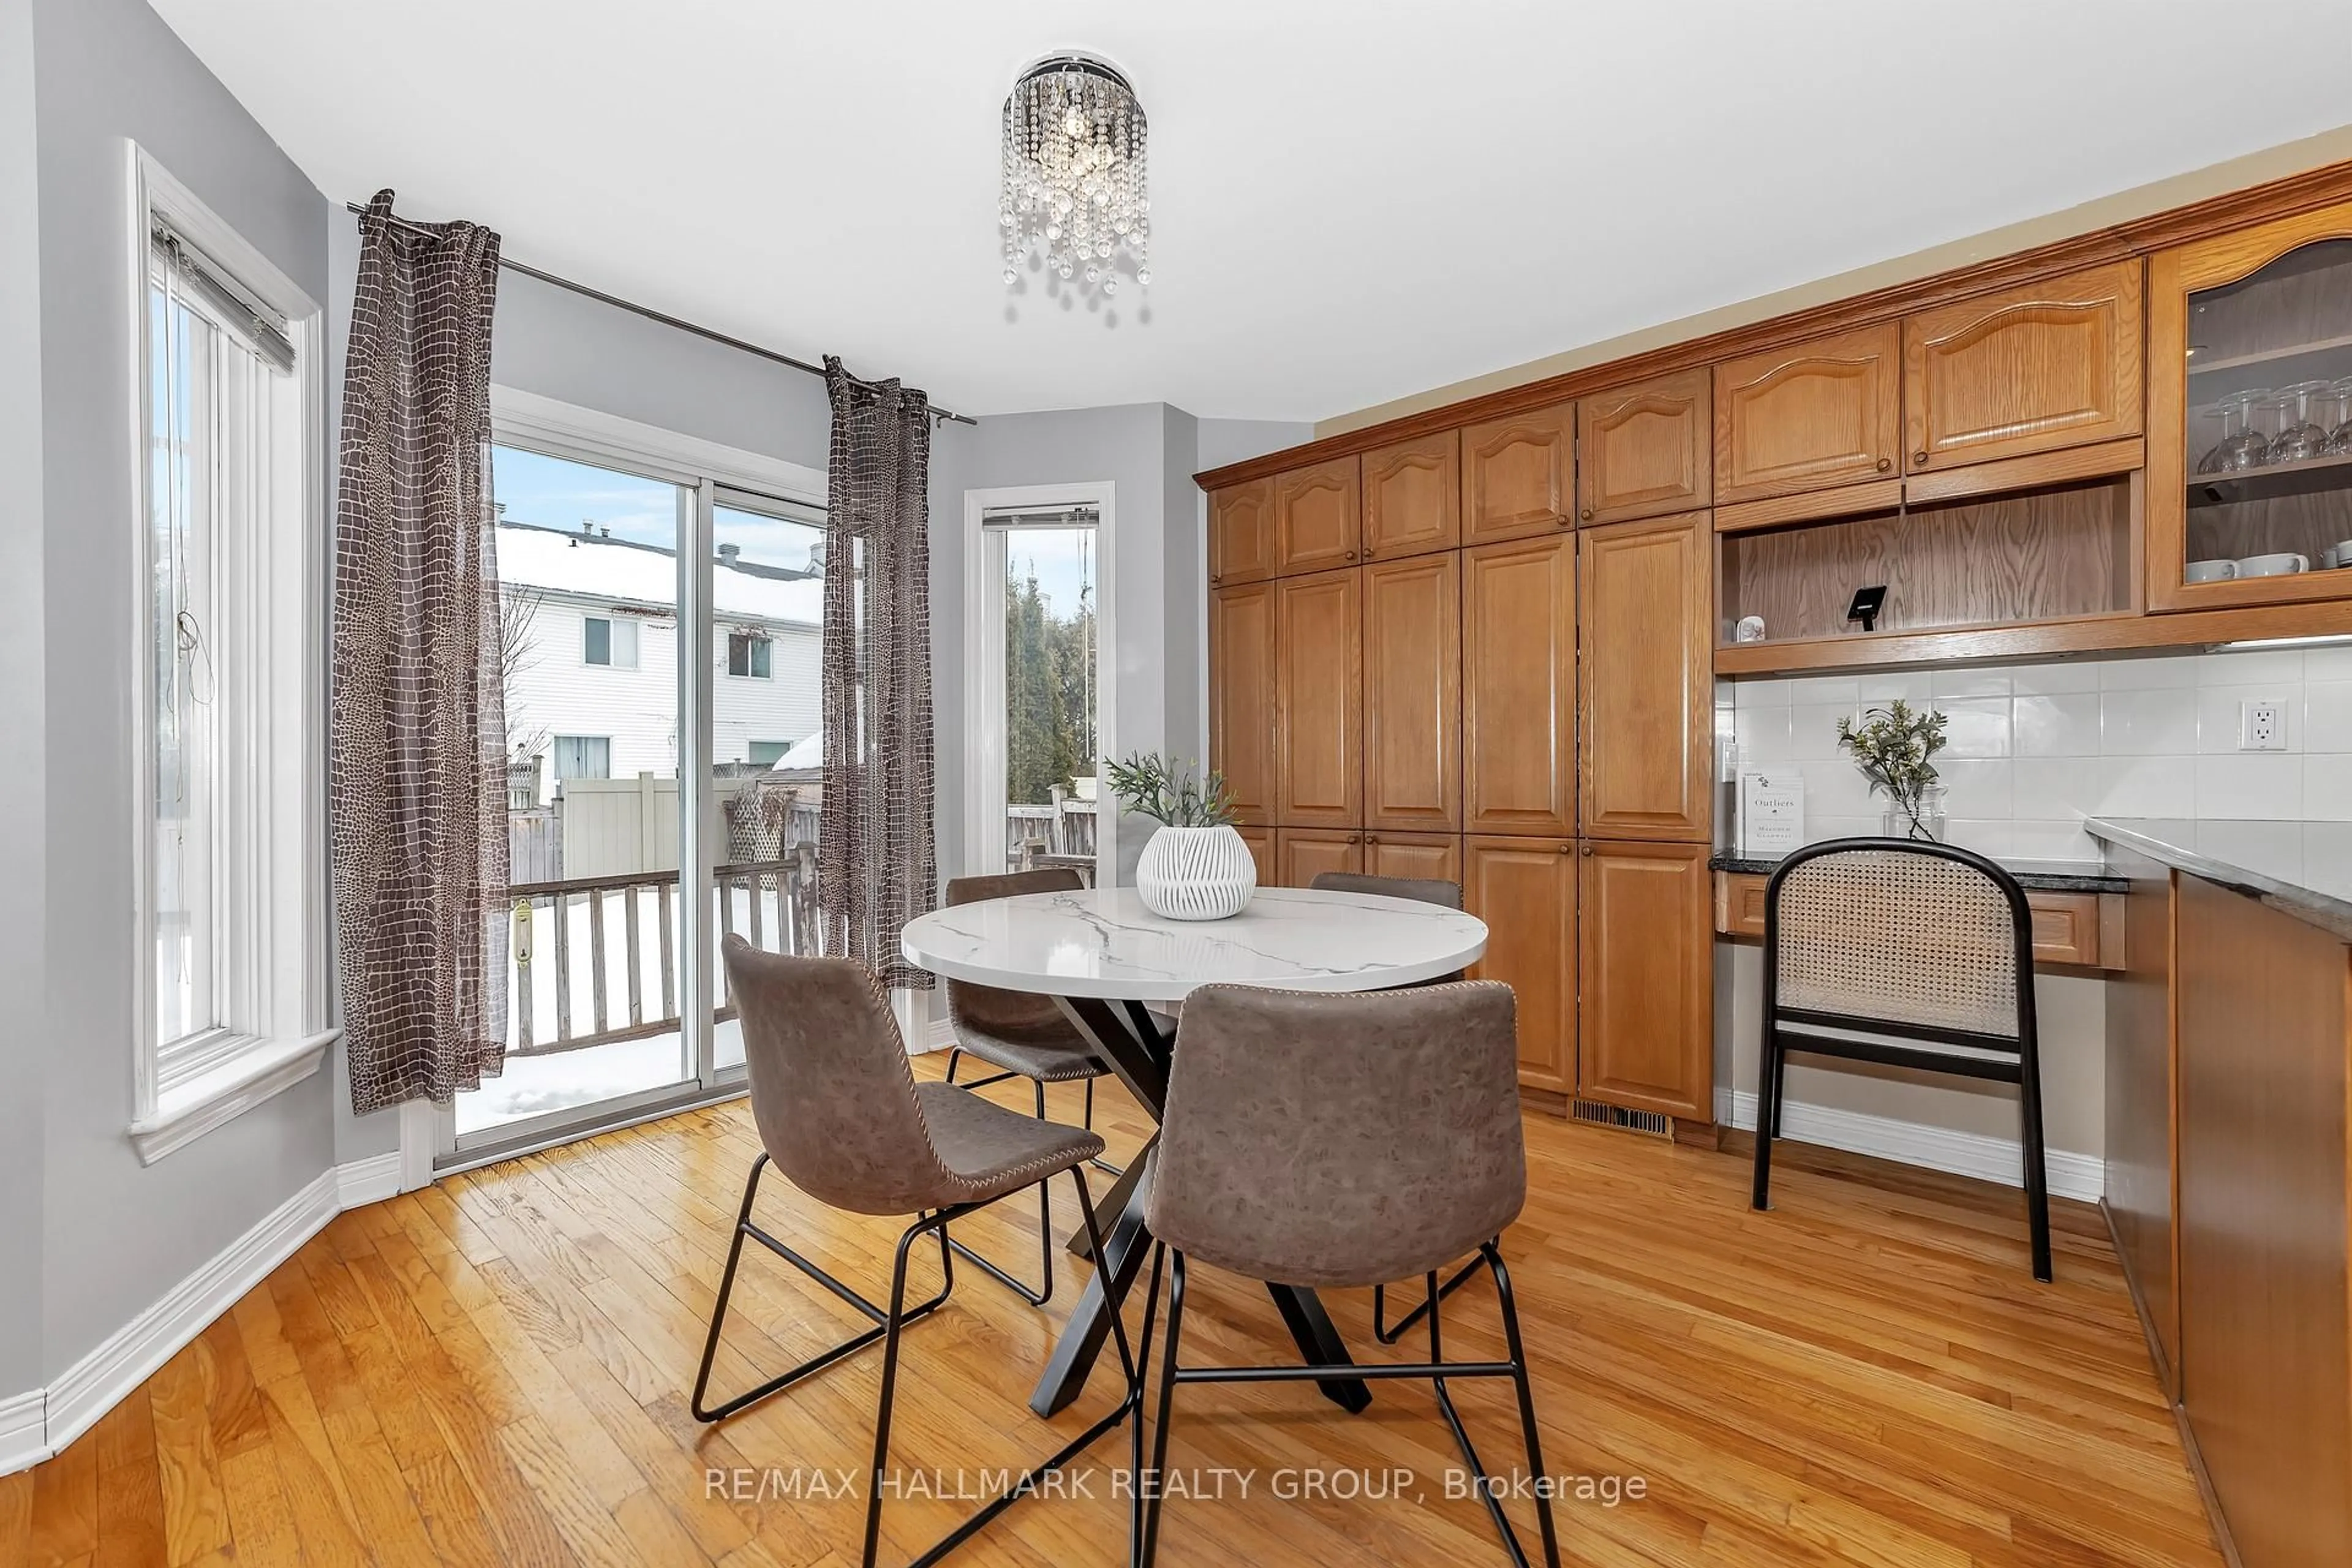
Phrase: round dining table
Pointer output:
(1107, 960)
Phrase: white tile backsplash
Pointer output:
(2033, 749)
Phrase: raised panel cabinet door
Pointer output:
(2048, 364)
(1811, 415)
(1519, 688)
(1240, 534)
(1646, 991)
(1644, 449)
(1302, 854)
(1647, 718)
(1242, 696)
(1518, 474)
(1431, 857)
(1412, 496)
(1413, 693)
(1318, 706)
(1262, 854)
(1526, 891)
(1317, 517)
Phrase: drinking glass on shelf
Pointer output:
(2339, 437)
(2243, 447)
(2211, 430)
(2298, 438)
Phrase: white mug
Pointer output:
(2327, 562)
(2211, 570)
(2280, 564)
(2342, 551)
(1749, 630)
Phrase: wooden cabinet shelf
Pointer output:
(2313, 476)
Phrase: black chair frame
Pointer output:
(888, 1323)
(2018, 1061)
(1144, 1526)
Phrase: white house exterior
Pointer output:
(593, 686)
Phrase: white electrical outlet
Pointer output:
(2261, 726)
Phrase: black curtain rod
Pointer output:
(648, 312)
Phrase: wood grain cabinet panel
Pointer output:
(1240, 534)
(1810, 417)
(2050, 365)
(2140, 1109)
(1412, 496)
(1518, 474)
(1518, 687)
(1319, 705)
(1526, 891)
(2266, 1311)
(1433, 857)
(1644, 449)
(1413, 693)
(1262, 855)
(1302, 854)
(1647, 989)
(1317, 517)
(1242, 696)
(1647, 719)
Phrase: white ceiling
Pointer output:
(1352, 200)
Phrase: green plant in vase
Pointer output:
(1171, 793)
(1894, 747)
(1195, 866)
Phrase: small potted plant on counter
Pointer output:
(1195, 867)
(1894, 747)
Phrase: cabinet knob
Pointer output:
(1215, 579)
(1565, 847)
(1587, 851)
(1586, 514)
(1372, 839)
(1920, 457)
(1351, 555)
(1355, 838)
(1884, 464)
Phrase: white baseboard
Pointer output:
(939, 1035)
(2002, 1159)
(42, 1422)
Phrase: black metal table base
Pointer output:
(1128, 1036)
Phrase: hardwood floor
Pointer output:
(494, 1371)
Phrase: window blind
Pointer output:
(254, 324)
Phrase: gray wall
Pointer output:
(26, 1040)
(116, 1235)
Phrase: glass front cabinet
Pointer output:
(2250, 416)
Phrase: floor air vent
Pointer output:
(1651, 1121)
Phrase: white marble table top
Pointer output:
(1102, 942)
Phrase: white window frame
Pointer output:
(272, 967)
(614, 626)
(555, 740)
(752, 640)
(984, 698)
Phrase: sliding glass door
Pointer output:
(660, 641)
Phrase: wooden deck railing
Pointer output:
(778, 913)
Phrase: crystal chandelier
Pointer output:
(1075, 187)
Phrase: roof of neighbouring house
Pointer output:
(598, 567)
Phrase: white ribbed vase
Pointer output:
(1196, 874)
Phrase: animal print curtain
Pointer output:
(417, 740)
(876, 866)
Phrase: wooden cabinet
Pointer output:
(1644, 449)
(2048, 364)
(1242, 696)
(1413, 693)
(1240, 534)
(1412, 496)
(1810, 417)
(1518, 474)
(1646, 988)
(1316, 515)
(2139, 1106)
(1518, 687)
(2265, 1281)
(1526, 891)
(2252, 328)
(1318, 701)
(1647, 620)
(1301, 854)
(1262, 855)
(1435, 857)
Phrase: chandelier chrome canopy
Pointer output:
(1075, 189)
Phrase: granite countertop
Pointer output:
(2033, 876)
(2302, 869)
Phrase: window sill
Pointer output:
(260, 1071)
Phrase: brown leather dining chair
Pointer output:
(1339, 1140)
(1426, 890)
(841, 1115)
